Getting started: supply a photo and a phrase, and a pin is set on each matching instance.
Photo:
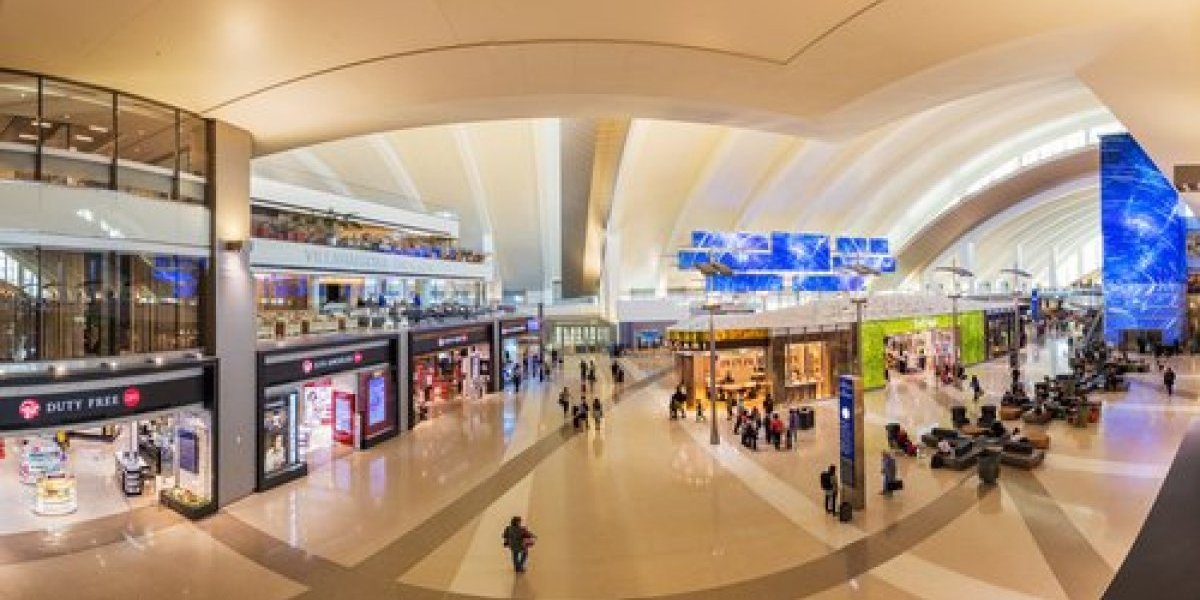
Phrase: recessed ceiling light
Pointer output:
(27, 136)
(98, 128)
(84, 138)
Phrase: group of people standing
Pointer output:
(579, 412)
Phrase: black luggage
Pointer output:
(845, 512)
(896, 485)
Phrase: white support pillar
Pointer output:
(232, 315)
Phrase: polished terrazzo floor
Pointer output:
(645, 507)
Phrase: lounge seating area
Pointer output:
(967, 440)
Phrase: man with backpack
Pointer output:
(564, 400)
(517, 538)
(829, 486)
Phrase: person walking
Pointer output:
(777, 430)
(518, 539)
(1169, 381)
(591, 376)
(829, 486)
(976, 387)
(768, 405)
(888, 469)
(597, 412)
(677, 402)
(583, 412)
(564, 400)
(700, 412)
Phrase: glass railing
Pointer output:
(89, 137)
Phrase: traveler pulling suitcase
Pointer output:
(845, 512)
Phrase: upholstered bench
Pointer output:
(1010, 413)
(1039, 439)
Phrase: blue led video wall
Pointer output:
(1144, 237)
(809, 262)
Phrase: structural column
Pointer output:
(231, 319)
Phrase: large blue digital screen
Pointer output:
(1144, 238)
(722, 240)
(800, 251)
(851, 245)
(810, 261)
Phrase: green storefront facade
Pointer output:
(871, 340)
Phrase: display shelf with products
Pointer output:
(131, 469)
(40, 457)
(55, 495)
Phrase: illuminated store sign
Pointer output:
(424, 342)
(23, 407)
(277, 369)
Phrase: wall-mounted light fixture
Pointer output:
(234, 245)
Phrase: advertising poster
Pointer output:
(318, 402)
(189, 454)
(343, 417)
(376, 400)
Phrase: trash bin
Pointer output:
(989, 466)
(807, 418)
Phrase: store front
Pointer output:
(449, 364)
(805, 362)
(67, 438)
(919, 351)
(319, 402)
(741, 364)
(917, 344)
(296, 304)
(519, 343)
(999, 325)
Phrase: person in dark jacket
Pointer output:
(1169, 381)
(517, 538)
(829, 486)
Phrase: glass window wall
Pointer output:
(18, 132)
(67, 304)
(81, 136)
(77, 135)
(146, 143)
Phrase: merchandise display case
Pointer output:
(807, 369)
(40, 457)
(55, 495)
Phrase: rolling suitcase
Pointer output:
(845, 512)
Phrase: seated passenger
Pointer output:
(997, 429)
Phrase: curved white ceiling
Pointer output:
(1054, 235)
(890, 181)
(298, 72)
(493, 175)
(675, 177)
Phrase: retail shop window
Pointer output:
(164, 457)
(18, 127)
(64, 304)
(77, 135)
